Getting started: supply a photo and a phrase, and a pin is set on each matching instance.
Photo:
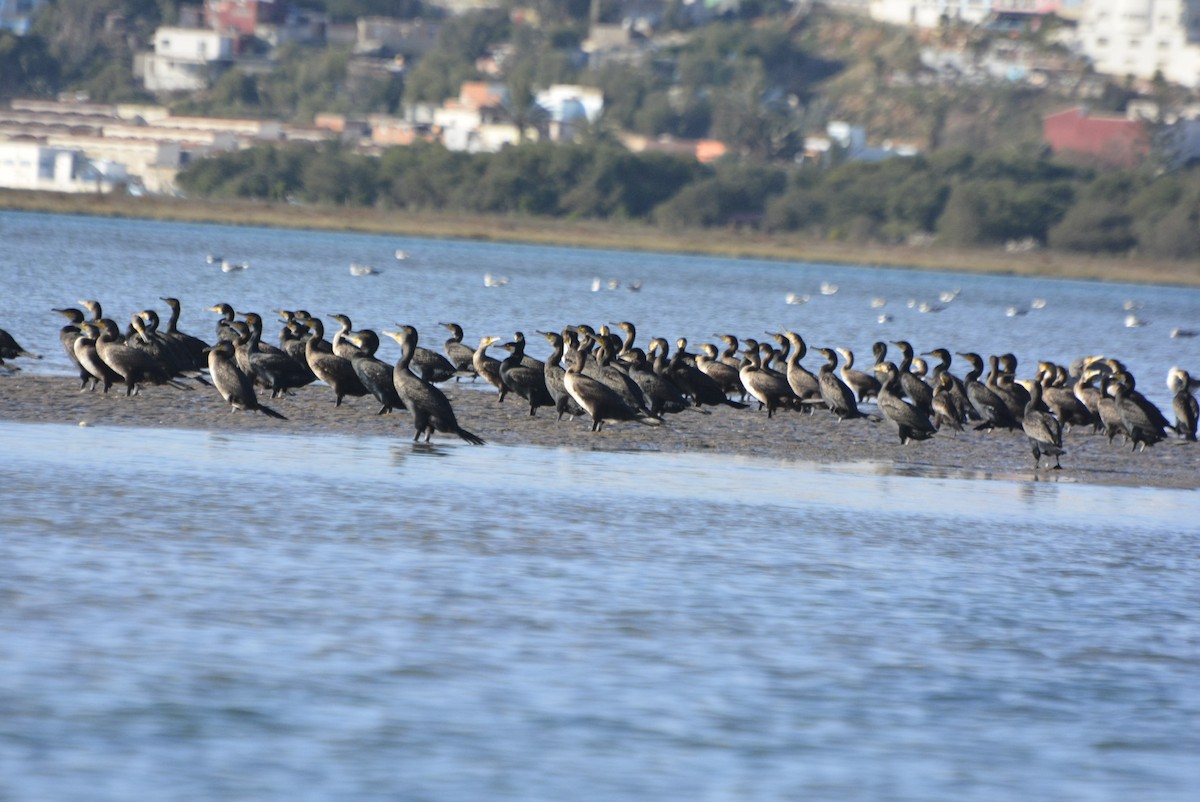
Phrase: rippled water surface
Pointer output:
(190, 615)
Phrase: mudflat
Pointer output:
(789, 436)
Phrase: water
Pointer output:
(190, 615)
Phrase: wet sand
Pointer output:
(788, 436)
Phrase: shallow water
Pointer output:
(279, 617)
(208, 615)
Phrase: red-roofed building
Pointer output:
(1093, 139)
(243, 16)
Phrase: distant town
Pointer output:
(70, 143)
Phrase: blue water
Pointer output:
(192, 615)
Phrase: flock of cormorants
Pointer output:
(606, 376)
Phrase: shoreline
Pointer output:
(725, 242)
(723, 431)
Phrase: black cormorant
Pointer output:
(429, 406)
(529, 383)
(911, 423)
(135, 367)
(836, 394)
(1184, 404)
(67, 335)
(597, 399)
(1043, 429)
(10, 349)
(194, 347)
(990, 407)
(461, 355)
(375, 374)
(862, 384)
(234, 385)
(330, 368)
(767, 388)
(489, 367)
(554, 373)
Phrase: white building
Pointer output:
(26, 164)
(1140, 38)
(15, 15)
(184, 59)
(930, 13)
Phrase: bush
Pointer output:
(1094, 226)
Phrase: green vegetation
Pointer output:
(953, 197)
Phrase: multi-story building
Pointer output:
(1143, 38)
(930, 13)
(15, 15)
(184, 59)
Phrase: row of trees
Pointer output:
(956, 197)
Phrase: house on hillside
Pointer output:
(184, 59)
(15, 15)
(930, 13)
(1142, 38)
(1103, 141)
(243, 17)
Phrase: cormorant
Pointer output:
(460, 355)
(1143, 421)
(10, 349)
(554, 373)
(1187, 411)
(1003, 390)
(330, 368)
(768, 389)
(134, 366)
(89, 359)
(957, 390)
(233, 385)
(616, 378)
(597, 399)
(1043, 429)
(910, 422)
(194, 347)
(945, 409)
(527, 382)
(990, 407)
(375, 374)
(345, 325)
(1106, 408)
(724, 375)
(489, 367)
(267, 365)
(864, 385)
(802, 381)
(917, 391)
(429, 406)
(658, 391)
(225, 331)
(836, 394)
(691, 381)
(67, 336)
(1059, 399)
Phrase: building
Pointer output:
(403, 37)
(137, 145)
(1143, 38)
(33, 165)
(930, 13)
(184, 59)
(15, 15)
(1099, 140)
(243, 17)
